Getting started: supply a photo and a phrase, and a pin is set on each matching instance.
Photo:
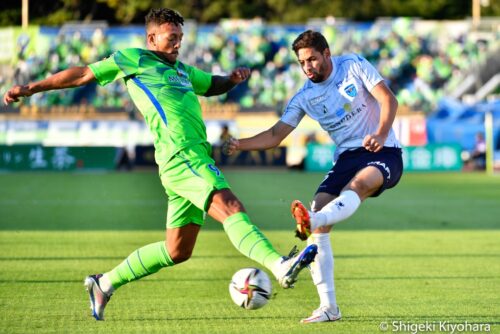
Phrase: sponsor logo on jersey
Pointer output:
(339, 112)
(349, 116)
(180, 80)
(318, 99)
(347, 107)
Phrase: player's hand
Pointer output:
(239, 75)
(15, 93)
(374, 142)
(230, 146)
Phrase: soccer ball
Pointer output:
(250, 288)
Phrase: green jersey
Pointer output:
(164, 93)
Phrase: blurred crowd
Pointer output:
(419, 67)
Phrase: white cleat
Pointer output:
(293, 265)
(323, 314)
(98, 299)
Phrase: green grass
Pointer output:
(428, 250)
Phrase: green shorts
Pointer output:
(189, 178)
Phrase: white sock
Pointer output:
(278, 268)
(322, 270)
(105, 285)
(337, 210)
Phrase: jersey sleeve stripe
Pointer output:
(153, 99)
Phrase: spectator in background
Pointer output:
(478, 155)
(225, 134)
(418, 66)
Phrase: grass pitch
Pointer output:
(427, 251)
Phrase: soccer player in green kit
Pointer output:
(164, 90)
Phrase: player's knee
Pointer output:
(363, 188)
(180, 255)
(234, 206)
(225, 204)
(359, 186)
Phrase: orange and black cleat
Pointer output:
(303, 220)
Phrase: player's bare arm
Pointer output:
(264, 140)
(223, 84)
(72, 77)
(388, 107)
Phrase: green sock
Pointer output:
(143, 262)
(248, 239)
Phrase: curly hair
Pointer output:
(310, 39)
(159, 16)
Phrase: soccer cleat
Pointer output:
(293, 265)
(323, 314)
(301, 215)
(98, 299)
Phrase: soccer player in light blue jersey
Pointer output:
(350, 100)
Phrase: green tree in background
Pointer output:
(57, 12)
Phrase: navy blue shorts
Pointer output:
(389, 161)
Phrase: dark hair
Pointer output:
(159, 16)
(310, 39)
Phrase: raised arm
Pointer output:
(264, 140)
(223, 84)
(388, 107)
(72, 77)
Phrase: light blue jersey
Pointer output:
(342, 104)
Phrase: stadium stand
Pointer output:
(423, 60)
(445, 74)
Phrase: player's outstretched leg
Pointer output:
(337, 210)
(98, 298)
(250, 241)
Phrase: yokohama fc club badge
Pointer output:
(351, 90)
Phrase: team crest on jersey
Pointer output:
(351, 90)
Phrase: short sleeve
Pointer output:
(200, 80)
(293, 113)
(119, 65)
(367, 73)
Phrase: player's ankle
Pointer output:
(105, 285)
(277, 267)
(317, 220)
